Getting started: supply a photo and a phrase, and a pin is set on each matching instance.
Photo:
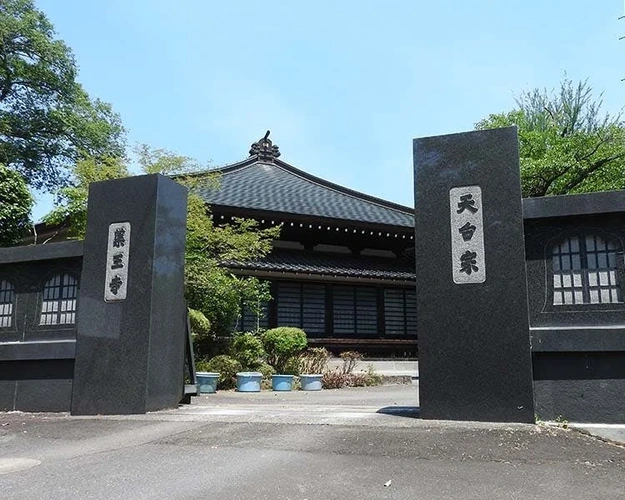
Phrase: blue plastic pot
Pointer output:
(249, 381)
(207, 381)
(310, 382)
(282, 382)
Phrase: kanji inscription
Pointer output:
(118, 250)
(467, 235)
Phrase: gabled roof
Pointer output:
(262, 182)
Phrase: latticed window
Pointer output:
(59, 300)
(586, 271)
(302, 305)
(355, 310)
(7, 298)
(400, 311)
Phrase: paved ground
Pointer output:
(346, 444)
(389, 368)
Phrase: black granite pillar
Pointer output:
(131, 313)
(474, 351)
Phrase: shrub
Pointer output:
(227, 367)
(291, 366)
(314, 360)
(282, 344)
(366, 379)
(350, 360)
(266, 370)
(248, 350)
(336, 379)
(200, 326)
(203, 340)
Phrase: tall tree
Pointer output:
(47, 120)
(566, 144)
(15, 206)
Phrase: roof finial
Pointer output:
(264, 149)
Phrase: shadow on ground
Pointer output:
(401, 411)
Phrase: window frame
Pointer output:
(408, 316)
(300, 308)
(41, 300)
(549, 271)
(355, 312)
(12, 327)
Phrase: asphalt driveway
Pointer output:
(353, 443)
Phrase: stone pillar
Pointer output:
(131, 309)
(472, 316)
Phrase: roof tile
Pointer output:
(329, 264)
(279, 187)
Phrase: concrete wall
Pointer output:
(37, 361)
(578, 350)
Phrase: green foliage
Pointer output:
(227, 367)
(314, 361)
(200, 326)
(240, 241)
(370, 377)
(210, 288)
(566, 145)
(71, 206)
(47, 120)
(281, 345)
(165, 162)
(15, 207)
(291, 366)
(562, 422)
(219, 293)
(248, 350)
(266, 369)
(214, 292)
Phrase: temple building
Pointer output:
(343, 268)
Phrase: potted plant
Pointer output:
(207, 381)
(312, 365)
(249, 381)
(224, 366)
(247, 349)
(282, 345)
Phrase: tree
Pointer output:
(15, 207)
(47, 120)
(566, 145)
(213, 292)
(70, 212)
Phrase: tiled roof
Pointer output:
(276, 186)
(329, 264)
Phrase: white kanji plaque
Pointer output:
(468, 261)
(117, 260)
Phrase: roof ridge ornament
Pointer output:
(264, 149)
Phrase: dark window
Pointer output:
(400, 311)
(586, 271)
(302, 305)
(355, 311)
(7, 300)
(58, 306)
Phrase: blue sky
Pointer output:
(344, 86)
